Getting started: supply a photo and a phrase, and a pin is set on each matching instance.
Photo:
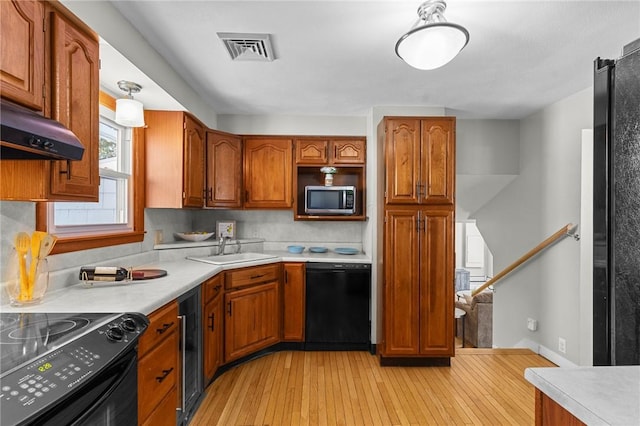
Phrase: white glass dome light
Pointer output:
(432, 42)
(129, 112)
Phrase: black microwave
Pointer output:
(330, 200)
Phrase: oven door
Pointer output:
(110, 398)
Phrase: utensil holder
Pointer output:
(20, 289)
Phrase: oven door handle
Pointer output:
(133, 364)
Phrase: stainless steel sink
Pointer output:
(226, 259)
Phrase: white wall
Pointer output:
(541, 200)
(107, 21)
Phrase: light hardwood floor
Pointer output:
(482, 387)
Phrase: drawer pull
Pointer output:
(164, 328)
(253, 277)
(212, 322)
(165, 373)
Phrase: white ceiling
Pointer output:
(338, 58)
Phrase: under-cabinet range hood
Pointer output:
(26, 135)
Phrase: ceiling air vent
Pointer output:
(248, 47)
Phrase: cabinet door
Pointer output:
(74, 92)
(312, 151)
(22, 52)
(267, 173)
(401, 283)
(402, 157)
(193, 172)
(251, 320)
(348, 151)
(438, 160)
(224, 170)
(436, 283)
(212, 342)
(157, 375)
(294, 302)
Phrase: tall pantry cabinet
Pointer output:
(419, 261)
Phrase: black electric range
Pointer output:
(48, 359)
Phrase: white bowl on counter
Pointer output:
(194, 236)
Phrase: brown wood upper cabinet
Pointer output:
(50, 63)
(330, 151)
(22, 56)
(420, 159)
(267, 172)
(175, 160)
(224, 170)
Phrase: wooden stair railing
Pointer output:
(565, 231)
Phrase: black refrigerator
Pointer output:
(616, 209)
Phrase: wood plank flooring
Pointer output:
(482, 387)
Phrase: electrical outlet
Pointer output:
(562, 345)
(532, 325)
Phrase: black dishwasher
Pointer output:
(337, 306)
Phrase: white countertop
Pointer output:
(145, 296)
(595, 395)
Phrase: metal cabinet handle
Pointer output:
(165, 373)
(183, 348)
(164, 328)
(253, 277)
(212, 322)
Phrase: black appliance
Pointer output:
(189, 311)
(338, 306)
(69, 369)
(27, 135)
(616, 209)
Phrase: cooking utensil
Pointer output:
(21, 244)
(36, 241)
(46, 245)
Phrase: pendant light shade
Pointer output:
(432, 42)
(129, 112)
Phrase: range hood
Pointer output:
(26, 135)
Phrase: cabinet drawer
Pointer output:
(162, 323)
(157, 375)
(211, 288)
(164, 414)
(251, 276)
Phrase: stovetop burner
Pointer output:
(25, 336)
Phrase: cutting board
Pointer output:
(148, 274)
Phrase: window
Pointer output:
(111, 213)
(117, 217)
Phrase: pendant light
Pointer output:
(129, 112)
(432, 41)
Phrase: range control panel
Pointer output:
(37, 385)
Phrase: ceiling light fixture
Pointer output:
(129, 112)
(432, 41)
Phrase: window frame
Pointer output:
(71, 243)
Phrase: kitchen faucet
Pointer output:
(221, 243)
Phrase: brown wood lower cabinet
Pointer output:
(550, 413)
(158, 367)
(212, 327)
(252, 317)
(418, 290)
(293, 289)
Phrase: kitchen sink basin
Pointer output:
(226, 259)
